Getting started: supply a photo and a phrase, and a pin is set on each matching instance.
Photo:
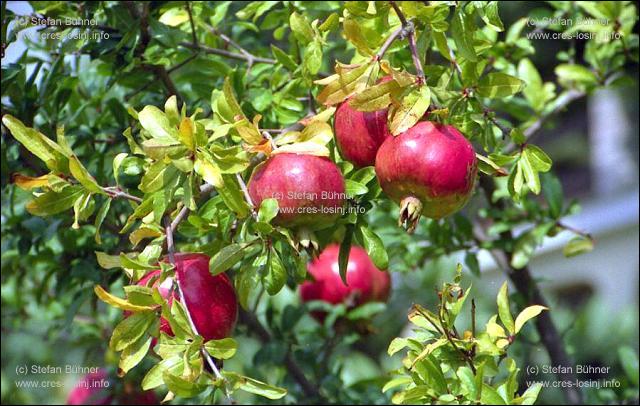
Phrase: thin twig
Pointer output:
(227, 54)
(409, 28)
(194, 37)
(383, 49)
(116, 193)
(245, 192)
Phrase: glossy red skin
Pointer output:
(432, 162)
(297, 182)
(359, 134)
(91, 389)
(211, 300)
(365, 282)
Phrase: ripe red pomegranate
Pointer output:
(429, 169)
(359, 134)
(309, 189)
(365, 282)
(92, 389)
(211, 300)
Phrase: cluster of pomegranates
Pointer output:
(429, 169)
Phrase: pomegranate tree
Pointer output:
(211, 300)
(429, 169)
(310, 190)
(365, 282)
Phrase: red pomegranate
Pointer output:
(309, 189)
(211, 300)
(365, 282)
(359, 134)
(429, 169)
(92, 389)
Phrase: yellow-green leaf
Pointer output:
(115, 301)
(527, 314)
(412, 108)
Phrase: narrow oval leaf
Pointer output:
(412, 109)
(115, 301)
(527, 314)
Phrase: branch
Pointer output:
(395, 35)
(528, 287)
(252, 322)
(116, 193)
(228, 54)
(409, 28)
(194, 37)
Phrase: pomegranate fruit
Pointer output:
(92, 389)
(429, 169)
(365, 282)
(310, 190)
(211, 300)
(359, 134)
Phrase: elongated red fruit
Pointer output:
(211, 300)
(309, 189)
(365, 282)
(430, 169)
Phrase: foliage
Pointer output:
(201, 93)
(445, 367)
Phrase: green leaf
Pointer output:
(530, 396)
(221, 349)
(102, 214)
(533, 92)
(569, 74)
(83, 176)
(107, 261)
(312, 60)
(467, 382)
(157, 123)
(527, 314)
(254, 386)
(153, 378)
(552, 192)
(134, 354)
(283, 58)
(504, 310)
(268, 210)
(374, 247)
(498, 84)
(412, 109)
(209, 171)
(52, 202)
(37, 143)
(233, 197)
(129, 330)
(490, 396)
(577, 245)
(490, 16)
(275, 274)
(345, 251)
(353, 188)
(462, 29)
(227, 257)
(301, 28)
(182, 387)
(158, 176)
